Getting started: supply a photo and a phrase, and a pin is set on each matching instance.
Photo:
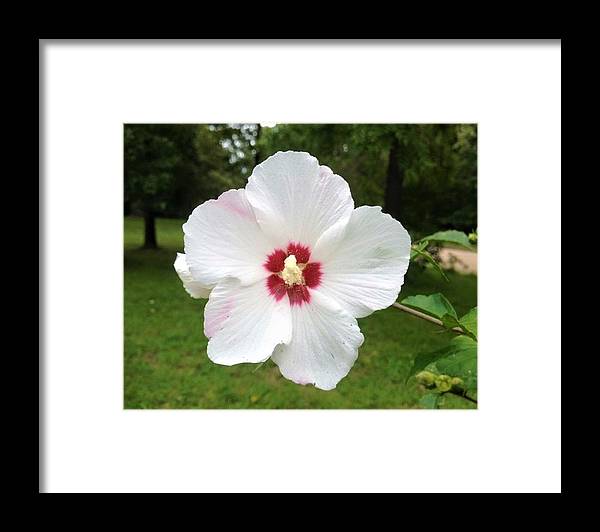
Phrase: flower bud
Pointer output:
(443, 383)
(426, 378)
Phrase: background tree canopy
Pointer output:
(423, 174)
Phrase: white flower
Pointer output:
(290, 264)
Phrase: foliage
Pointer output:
(166, 365)
(453, 237)
(424, 250)
(170, 169)
(451, 369)
(438, 161)
(150, 159)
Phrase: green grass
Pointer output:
(166, 365)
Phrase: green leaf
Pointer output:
(419, 246)
(458, 238)
(417, 252)
(462, 342)
(457, 359)
(460, 361)
(450, 322)
(435, 305)
(468, 323)
(416, 249)
(429, 400)
(423, 360)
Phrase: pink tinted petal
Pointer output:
(325, 171)
(222, 239)
(220, 311)
(244, 323)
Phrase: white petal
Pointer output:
(194, 288)
(223, 239)
(324, 346)
(295, 199)
(245, 323)
(366, 270)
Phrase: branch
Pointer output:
(463, 395)
(425, 317)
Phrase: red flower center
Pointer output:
(292, 277)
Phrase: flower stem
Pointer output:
(431, 319)
(425, 317)
(464, 396)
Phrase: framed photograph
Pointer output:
(286, 259)
(299, 266)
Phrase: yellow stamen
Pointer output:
(291, 273)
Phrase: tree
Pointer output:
(441, 177)
(394, 180)
(150, 159)
(422, 174)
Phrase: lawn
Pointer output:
(166, 365)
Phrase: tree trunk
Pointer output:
(256, 152)
(150, 231)
(394, 181)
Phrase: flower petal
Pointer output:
(366, 270)
(222, 238)
(324, 344)
(194, 288)
(297, 200)
(244, 323)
